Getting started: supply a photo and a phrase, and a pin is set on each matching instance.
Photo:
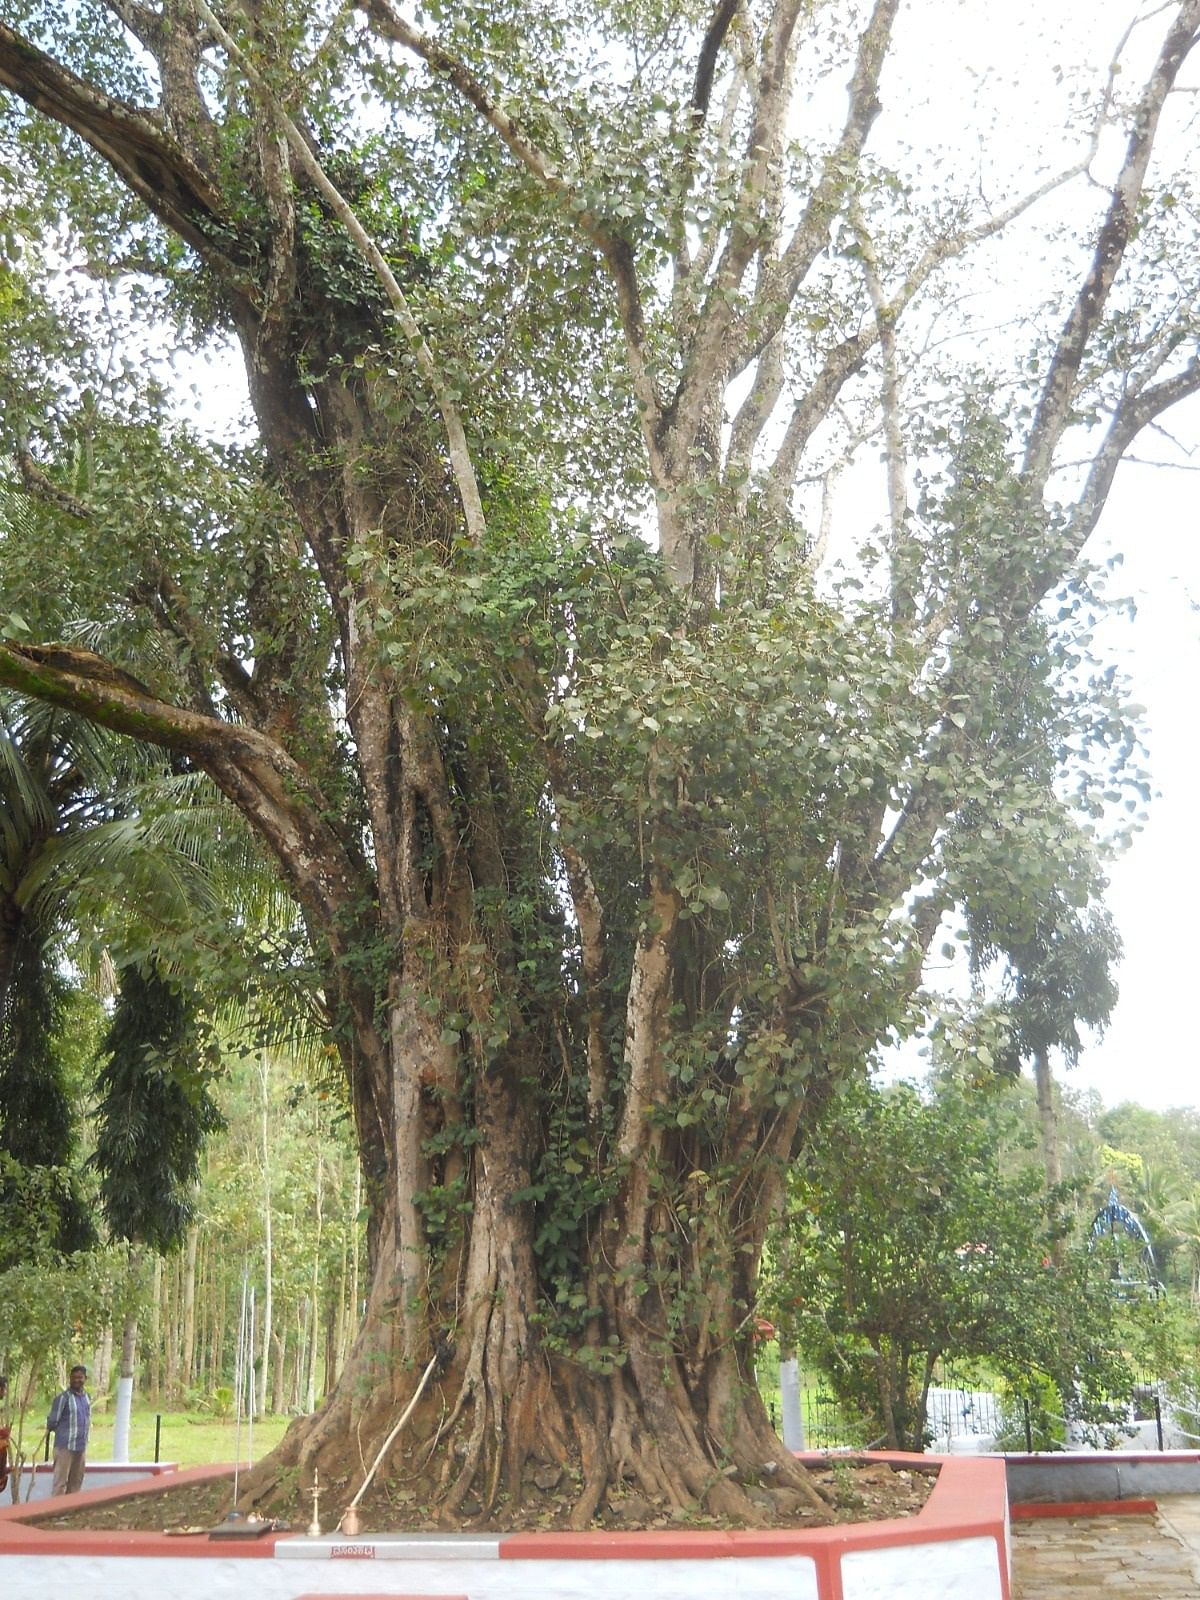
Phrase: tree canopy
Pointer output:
(877, 1280)
(622, 773)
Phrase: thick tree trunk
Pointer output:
(671, 1417)
(1051, 1156)
(1047, 1118)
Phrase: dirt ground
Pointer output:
(859, 1492)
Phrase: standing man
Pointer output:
(69, 1420)
(4, 1434)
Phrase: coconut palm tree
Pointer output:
(85, 841)
(1157, 1195)
(1184, 1217)
(54, 773)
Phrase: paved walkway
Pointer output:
(1139, 1558)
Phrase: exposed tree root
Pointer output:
(505, 1433)
(473, 1456)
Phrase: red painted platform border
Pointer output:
(969, 1500)
(1030, 1510)
(20, 1534)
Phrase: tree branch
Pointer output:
(41, 487)
(647, 1000)
(460, 453)
(840, 364)
(847, 358)
(160, 593)
(759, 405)
(887, 875)
(754, 413)
(1054, 408)
(614, 250)
(707, 357)
(811, 234)
(903, 600)
(686, 270)
(141, 21)
(1134, 414)
(706, 61)
(276, 795)
(131, 140)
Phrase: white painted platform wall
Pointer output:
(152, 1578)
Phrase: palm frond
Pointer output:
(21, 793)
(118, 860)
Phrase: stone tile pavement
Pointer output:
(1137, 1557)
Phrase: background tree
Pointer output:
(84, 870)
(37, 1122)
(954, 1261)
(615, 862)
(106, 861)
(1185, 1219)
(1060, 978)
(44, 1309)
(153, 1114)
(52, 767)
(316, 1241)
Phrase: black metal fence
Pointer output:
(957, 1410)
(827, 1425)
(966, 1413)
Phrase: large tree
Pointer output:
(620, 831)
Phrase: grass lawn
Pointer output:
(190, 1439)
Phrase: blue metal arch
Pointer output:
(1113, 1215)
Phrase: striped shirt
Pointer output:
(69, 1420)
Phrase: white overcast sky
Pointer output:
(1150, 1052)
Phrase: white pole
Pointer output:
(789, 1404)
(250, 1388)
(239, 1367)
(120, 1442)
(121, 1420)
